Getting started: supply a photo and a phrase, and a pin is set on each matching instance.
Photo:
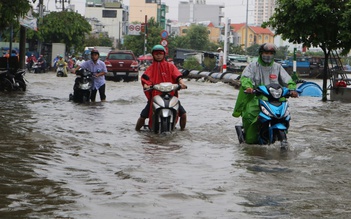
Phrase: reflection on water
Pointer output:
(65, 160)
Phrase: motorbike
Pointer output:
(13, 81)
(164, 112)
(60, 71)
(274, 115)
(82, 86)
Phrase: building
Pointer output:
(138, 9)
(264, 9)
(108, 18)
(214, 33)
(196, 11)
(255, 35)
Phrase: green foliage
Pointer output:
(102, 40)
(192, 64)
(252, 50)
(209, 63)
(136, 43)
(320, 23)
(65, 27)
(197, 36)
(281, 52)
(11, 10)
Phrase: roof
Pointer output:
(261, 30)
(256, 29)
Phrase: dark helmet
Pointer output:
(158, 48)
(267, 47)
(95, 51)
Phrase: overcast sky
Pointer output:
(234, 9)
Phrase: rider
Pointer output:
(99, 70)
(61, 61)
(160, 71)
(262, 72)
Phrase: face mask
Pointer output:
(267, 58)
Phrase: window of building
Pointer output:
(109, 13)
(184, 30)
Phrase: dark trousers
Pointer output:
(101, 92)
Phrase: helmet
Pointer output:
(158, 48)
(267, 47)
(95, 51)
(219, 48)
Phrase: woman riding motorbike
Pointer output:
(160, 71)
(262, 72)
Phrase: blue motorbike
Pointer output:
(274, 116)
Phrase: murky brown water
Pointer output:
(65, 160)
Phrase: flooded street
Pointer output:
(65, 160)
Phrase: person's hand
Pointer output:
(249, 90)
(294, 94)
(183, 86)
(146, 86)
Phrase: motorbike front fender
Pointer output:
(279, 126)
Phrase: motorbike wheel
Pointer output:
(165, 124)
(6, 85)
(281, 134)
(85, 98)
(21, 86)
(240, 132)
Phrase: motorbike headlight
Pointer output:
(85, 86)
(164, 87)
(276, 93)
(265, 111)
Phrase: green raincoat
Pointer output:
(246, 106)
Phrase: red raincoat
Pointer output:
(160, 72)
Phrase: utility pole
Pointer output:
(146, 33)
(247, 22)
(41, 6)
(226, 33)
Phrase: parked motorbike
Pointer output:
(82, 86)
(13, 81)
(274, 116)
(60, 71)
(5, 82)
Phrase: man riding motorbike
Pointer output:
(262, 72)
(160, 71)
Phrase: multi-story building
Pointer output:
(264, 9)
(107, 18)
(138, 9)
(196, 11)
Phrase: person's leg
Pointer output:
(182, 115)
(102, 93)
(143, 115)
(93, 95)
(250, 122)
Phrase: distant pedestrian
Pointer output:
(220, 59)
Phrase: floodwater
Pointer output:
(65, 160)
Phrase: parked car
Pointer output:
(122, 64)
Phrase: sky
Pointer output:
(234, 9)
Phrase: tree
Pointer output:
(320, 23)
(101, 40)
(197, 37)
(136, 43)
(65, 27)
(252, 50)
(11, 10)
